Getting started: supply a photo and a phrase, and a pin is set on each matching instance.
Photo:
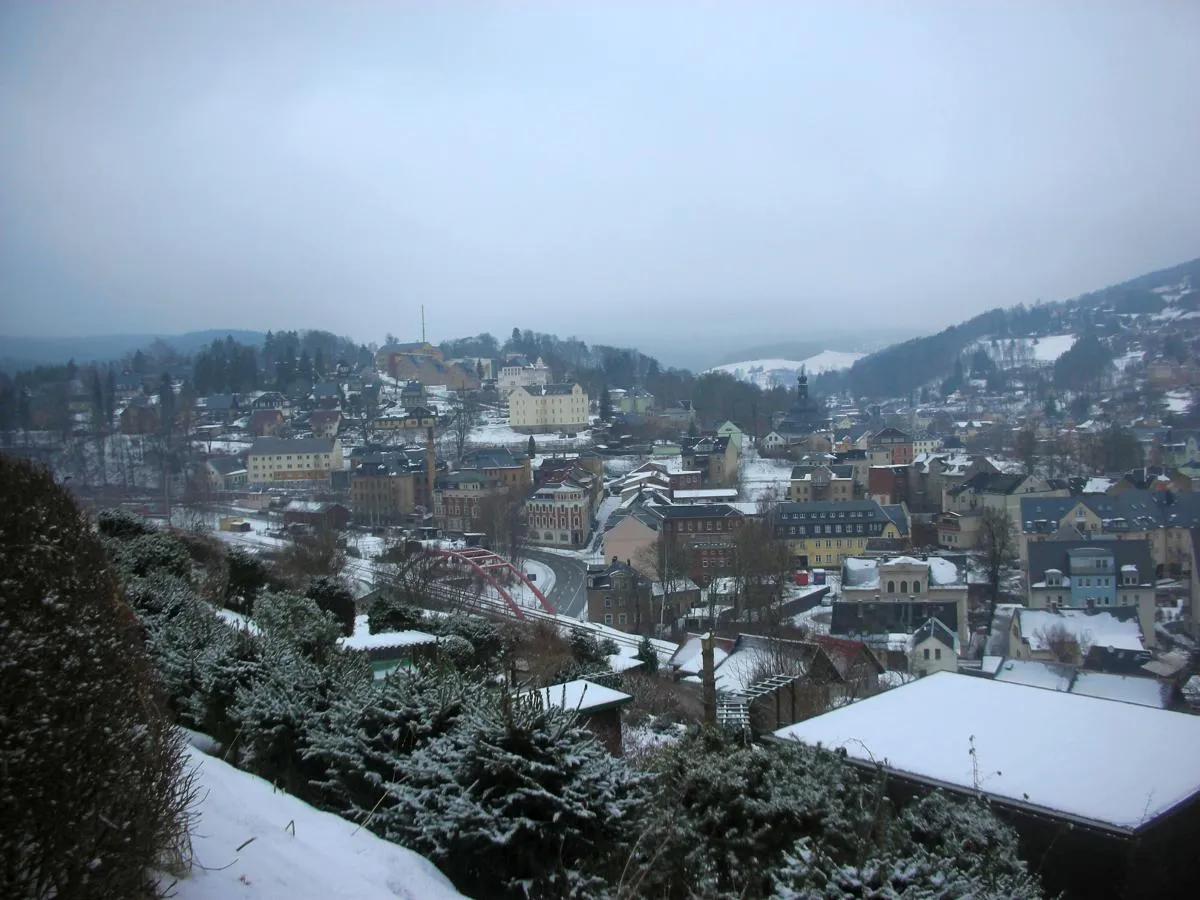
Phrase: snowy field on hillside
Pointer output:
(256, 843)
(1008, 353)
(497, 431)
(769, 372)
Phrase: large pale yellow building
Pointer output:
(275, 460)
(548, 407)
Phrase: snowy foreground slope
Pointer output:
(325, 857)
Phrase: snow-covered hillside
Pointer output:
(1010, 353)
(255, 842)
(770, 372)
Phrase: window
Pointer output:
(916, 587)
(892, 589)
(608, 602)
(937, 653)
(623, 618)
(927, 653)
(904, 587)
(608, 618)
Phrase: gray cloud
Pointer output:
(733, 169)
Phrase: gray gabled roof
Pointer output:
(1045, 555)
(933, 628)
(270, 446)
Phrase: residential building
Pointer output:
(704, 533)
(140, 416)
(1110, 640)
(772, 442)
(519, 372)
(933, 648)
(414, 418)
(559, 514)
(225, 473)
(424, 363)
(912, 584)
(1095, 574)
(381, 494)
(636, 402)
(457, 496)
(511, 470)
(898, 444)
(412, 394)
(628, 534)
(325, 423)
(889, 484)
(958, 531)
(1164, 519)
(276, 460)
(316, 514)
(270, 400)
(1003, 493)
(266, 422)
(620, 596)
(328, 394)
(825, 533)
(716, 458)
(731, 430)
(549, 407)
(812, 483)
(219, 408)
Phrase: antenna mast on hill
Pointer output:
(422, 323)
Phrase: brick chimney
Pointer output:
(430, 465)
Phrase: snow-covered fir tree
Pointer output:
(518, 801)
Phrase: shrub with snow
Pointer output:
(91, 789)
(518, 801)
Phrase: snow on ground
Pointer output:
(762, 475)
(254, 842)
(545, 574)
(769, 372)
(497, 431)
(1179, 401)
(1010, 352)
(1006, 726)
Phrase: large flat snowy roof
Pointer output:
(1039, 748)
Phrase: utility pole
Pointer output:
(708, 679)
(422, 323)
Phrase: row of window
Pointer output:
(916, 587)
(802, 530)
(623, 618)
(830, 514)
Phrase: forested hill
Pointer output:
(905, 368)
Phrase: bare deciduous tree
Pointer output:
(998, 547)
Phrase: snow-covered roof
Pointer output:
(1097, 485)
(363, 640)
(581, 695)
(1093, 629)
(863, 572)
(1006, 725)
(1035, 673)
(1123, 688)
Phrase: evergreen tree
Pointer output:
(648, 655)
(334, 598)
(518, 801)
(531, 449)
(606, 407)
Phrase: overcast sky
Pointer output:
(606, 169)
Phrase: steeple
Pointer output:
(802, 387)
